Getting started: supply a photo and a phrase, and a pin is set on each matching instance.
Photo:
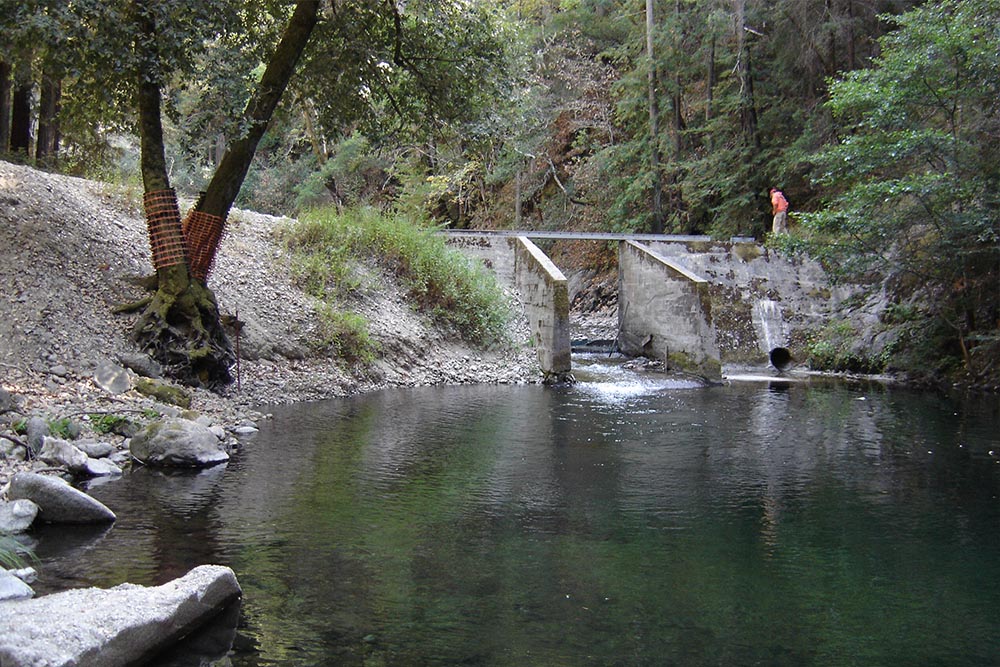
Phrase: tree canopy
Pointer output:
(877, 118)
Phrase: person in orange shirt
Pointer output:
(779, 208)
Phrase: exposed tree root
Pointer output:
(132, 306)
(183, 333)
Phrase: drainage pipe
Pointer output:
(781, 358)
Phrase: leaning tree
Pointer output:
(363, 63)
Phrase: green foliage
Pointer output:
(346, 334)
(354, 175)
(108, 423)
(441, 281)
(911, 184)
(63, 428)
(832, 348)
(13, 554)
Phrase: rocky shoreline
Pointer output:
(71, 250)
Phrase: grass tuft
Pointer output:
(440, 280)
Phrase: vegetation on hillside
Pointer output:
(441, 281)
(878, 119)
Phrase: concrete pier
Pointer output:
(545, 297)
(665, 312)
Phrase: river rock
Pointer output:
(11, 450)
(7, 401)
(112, 378)
(95, 449)
(58, 452)
(142, 364)
(177, 442)
(37, 430)
(57, 501)
(123, 625)
(12, 588)
(101, 468)
(17, 515)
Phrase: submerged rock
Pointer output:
(57, 501)
(117, 626)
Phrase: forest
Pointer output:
(878, 119)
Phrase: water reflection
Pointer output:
(646, 524)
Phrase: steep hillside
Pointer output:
(71, 250)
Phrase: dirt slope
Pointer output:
(70, 251)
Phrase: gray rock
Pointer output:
(38, 430)
(8, 403)
(101, 468)
(59, 370)
(142, 364)
(57, 501)
(17, 515)
(95, 449)
(12, 588)
(120, 458)
(245, 430)
(118, 626)
(11, 450)
(112, 378)
(59, 452)
(26, 574)
(176, 442)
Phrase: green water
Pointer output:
(624, 521)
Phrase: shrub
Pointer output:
(347, 335)
(444, 283)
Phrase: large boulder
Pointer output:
(123, 625)
(57, 501)
(179, 443)
(112, 378)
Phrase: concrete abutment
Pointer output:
(545, 297)
(665, 313)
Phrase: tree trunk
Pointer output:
(47, 144)
(744, 69)
(710, 88)
(677, 98)
(654, 125)
(20, 117)
(180, 327)
(205, 224)
(852, 55)
(4, 106)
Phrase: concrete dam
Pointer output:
(693, 303)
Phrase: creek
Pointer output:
(631, 519)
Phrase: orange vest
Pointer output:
(778, 202)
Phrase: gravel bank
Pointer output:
(72, 249)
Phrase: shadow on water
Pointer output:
(633, 519)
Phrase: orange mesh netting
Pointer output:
(203, 232)
(163, 219)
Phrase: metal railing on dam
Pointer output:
(579, 236)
